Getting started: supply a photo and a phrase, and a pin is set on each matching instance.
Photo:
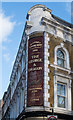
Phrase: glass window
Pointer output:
(61, 95)
(60, 58)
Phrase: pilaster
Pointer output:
(46, 70)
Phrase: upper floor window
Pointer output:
(61, 95)
(61, 55)
(60, 58)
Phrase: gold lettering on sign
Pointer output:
(34, 64)
(36, 68)
(35, 56)
(34, 99)
(35, 60)
(36, 88)
(35, 50)
(36, 46)
(35, 42)
(34, 91)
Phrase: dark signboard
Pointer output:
(35, 71)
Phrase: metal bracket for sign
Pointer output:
(52, 116)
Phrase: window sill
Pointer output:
(61, 110)
(61, 68)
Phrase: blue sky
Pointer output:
(12, 22)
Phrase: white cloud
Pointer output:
(6, 26)
(4, 48)
(6, 56)
(20, 23)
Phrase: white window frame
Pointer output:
(67, 82)
(61, 46)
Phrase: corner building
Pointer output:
(42, 77)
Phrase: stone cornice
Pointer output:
(48, 109)
(56, 24)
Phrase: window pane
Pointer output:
(61, 89)
(61, 101)
(60, 62)
(60, 54)
(58, 89)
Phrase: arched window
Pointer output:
(60, 58)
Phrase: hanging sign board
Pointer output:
(35, 71)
